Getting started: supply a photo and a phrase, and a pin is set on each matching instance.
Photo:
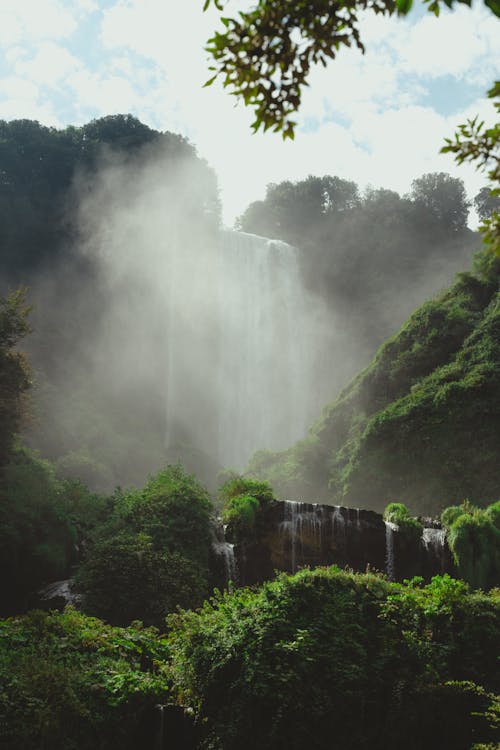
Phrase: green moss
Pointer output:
(244, 500)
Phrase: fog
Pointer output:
(192, 342)
(170, 338)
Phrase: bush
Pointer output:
(244, 500)
(125, 578)
(399, 514)
(42, 520)
(474, 539)
(69, 682)
(152, 553)
(333, 659)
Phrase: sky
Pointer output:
(379, 119)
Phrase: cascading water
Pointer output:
(225, 551)
(241, 355)
(390, 528)
(434, 541)
(312, 534)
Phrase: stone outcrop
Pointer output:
(290, 536)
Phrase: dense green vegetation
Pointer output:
(474, 539)
(420, 423)
(244, 499)
(398, 513)
(332, 659)
(38, 167)
(322, 658)
(69, 682)
(43, 522)
(152, 553)
(14, 371)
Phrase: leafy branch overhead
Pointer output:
(476, 143)
(264, 56)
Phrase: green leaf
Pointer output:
(209, 82)
(403, 6)
(493, 5)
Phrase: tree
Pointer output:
(485, 203)
(265, 55)
(444, 197)
(14, 372)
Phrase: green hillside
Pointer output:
(420, 424)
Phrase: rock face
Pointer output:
(294, 535)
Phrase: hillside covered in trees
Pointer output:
(420, 423)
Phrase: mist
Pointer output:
(194, 343)
(185, 341)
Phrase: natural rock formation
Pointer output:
(292, 535)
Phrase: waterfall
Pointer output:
(225, 551)
(161, 729)
(241, 351)
(312, 532)
(390, 528)
(434, 541)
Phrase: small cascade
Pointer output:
(224, 551)
(358, 521)
(298, 519)
(160, 738)
(60, 590)
(317, 534)
(434, 542)
(340, 526)
(390, 528)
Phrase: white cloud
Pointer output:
(49, 66)
(103, 94)
(22, 21)
(21, 99)
(463, 44)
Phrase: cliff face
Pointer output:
(420, 424)
(294, 535)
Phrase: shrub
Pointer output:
(327, 658)
(399, 514)
(474, 539)
(244, 500)
(69, 682)
(125, 578)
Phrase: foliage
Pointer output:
(476, 143)
(14, 371)
(126, 578)
(444, 197)
(264, 56)
(474, 539)
(69, 682)
(42, 522)
(244, 500)
(420, 422)
(38, 166)
(327, 656)
(151, 555)
(399, 514)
